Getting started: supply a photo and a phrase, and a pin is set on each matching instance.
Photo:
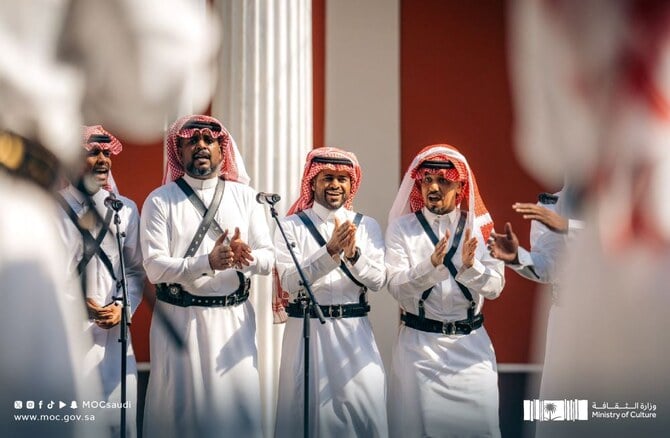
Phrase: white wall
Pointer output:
(363, 115)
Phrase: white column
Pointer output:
(363, 116)
(264, 99)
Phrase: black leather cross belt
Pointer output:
(462, 327)
(174, 294)
(355, 310)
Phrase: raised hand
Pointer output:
(343, 236)
(437, 257)
(504, 246)
(241, 251)
(468, 249)
(549, 218)
(350, 248)
(222, 256)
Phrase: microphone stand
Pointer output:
(307, 302)
(116, 205)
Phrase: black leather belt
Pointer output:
(462, 327)
(174, 294)
(356, 310)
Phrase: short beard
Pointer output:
(330, 206)
(199, 172)
(438, 211)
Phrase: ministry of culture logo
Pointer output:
(555, 410)
(578, 410)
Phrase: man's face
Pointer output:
(331, 188)
(439, 194)
(98, 164)
(201, 155)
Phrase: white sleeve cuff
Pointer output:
(198, 266)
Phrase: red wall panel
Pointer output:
(138, 170)
(318, 70)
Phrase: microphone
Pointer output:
(113, 203)
(267, 198)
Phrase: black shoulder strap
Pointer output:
(429, 231)
(91, 245)
(207, 213)
(447, 261)
(321, 241)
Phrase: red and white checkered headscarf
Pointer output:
(94, 138)
(306, 200)
(312, 169)
(409, 198)
(232, 167)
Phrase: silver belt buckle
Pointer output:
(451, 328)
(339, 311)
(174, 290)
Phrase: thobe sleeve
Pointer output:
(260, 242)
(314, 266)
(155, 234)
(369, 269)
(486, 275)
(527, 266)
(132, 256)
(541, 262)
(404, 279)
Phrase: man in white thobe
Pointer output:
(211, 387)
(444, 378)
(100, 269)
(592, 90)
(550, 231)
(342, 255)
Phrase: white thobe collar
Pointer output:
(201, 184)
(445, 220)
(328, 215)
(98, 197)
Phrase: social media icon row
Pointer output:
(30, 404)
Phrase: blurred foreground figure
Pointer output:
(123, 64)
(101, 271)
(593, 100)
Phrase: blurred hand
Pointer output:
(104, 316)
(552, 220)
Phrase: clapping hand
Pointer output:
(469, 248)
(222, 256)
(242, 251)
(343, 239)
